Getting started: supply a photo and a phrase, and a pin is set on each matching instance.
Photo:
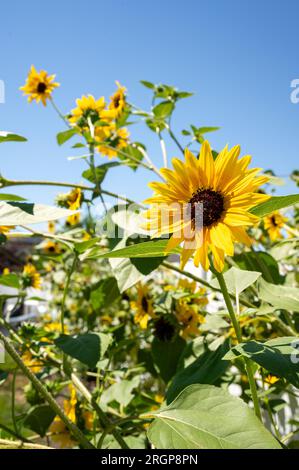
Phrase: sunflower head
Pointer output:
(31, 277)
(87, 107)
(111, 139)
(205, 204)
(39, 86)
(52, 248)
(273, 224)
(143, 306)
(117, 104)
(61, 434)
(188, 318)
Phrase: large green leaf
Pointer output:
(206, 369)
(208, 417)
(10, 280)
(22, 213)
(282, 297)
(121, 391)
(166, 355)
(153, 248)
(63, 136)
(278, 356)
(163, 109)
(39, 418)
(100, 171)
(262, 262)
(237, 280)
(274, 204)
(88, 348)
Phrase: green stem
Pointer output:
(59, 113)
(238, 332)
(65, 291)
(41, 389)
(13, 401)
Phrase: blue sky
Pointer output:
(239, 59)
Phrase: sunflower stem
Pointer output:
(236, 325)
(79, 436)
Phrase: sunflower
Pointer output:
(74, 199)
(39, 86)
(143, 306)
(52, 248)
(205, 204)
(32, 362)
(61, 434)
(4, 229)
(87, 107)
(117, 103)
(116, 139)
(73, 219)
(273, 223)
(31, 276)
(189, 318)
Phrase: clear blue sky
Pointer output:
(238, 57)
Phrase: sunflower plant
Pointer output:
(169, 323)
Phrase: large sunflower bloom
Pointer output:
(87, 106)
(274, 223)
(39, 86)
(205, 204)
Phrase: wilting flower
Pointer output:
(61, 434)
(39, 86)
(117, 103)
(111, 139)
(274, 223)
(87, 107)
(205, 204)
(31, 276)
(143, 306)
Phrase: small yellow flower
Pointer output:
(74, 199)
(143, 306)
(86, 236)
(73, 219)
(51, 227)
(6, 271)
(273, 223)
(188, 316)
(31, 276)
(205, 204)
(271, 379)
(39, 86)
(88, 417)
(61, 433)
(117, 103)
(87, 107)
(52, 248)
(33, 363)
(111, 139)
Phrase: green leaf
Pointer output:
(283, 297)
(64, 136)
(131, 151)
(104, 293)
(11, 197)
(39, 418)
(22, 213)
(163, 109)
(88, 348)
(81, 247)
(101, 172)
(153, 248)
(206, 369)
(205, 130)
(279, 356)
(147, 84)
(10, 280)
(262, 262)
(7, 137)
(121, 391)
(274, 204)
(237, 280)
(207, 417)
(166, 355)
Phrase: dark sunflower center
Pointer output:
(116, 101)
(164, 330)
(41, 87)
(144, 303)
(212, 206)
(273, 220)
